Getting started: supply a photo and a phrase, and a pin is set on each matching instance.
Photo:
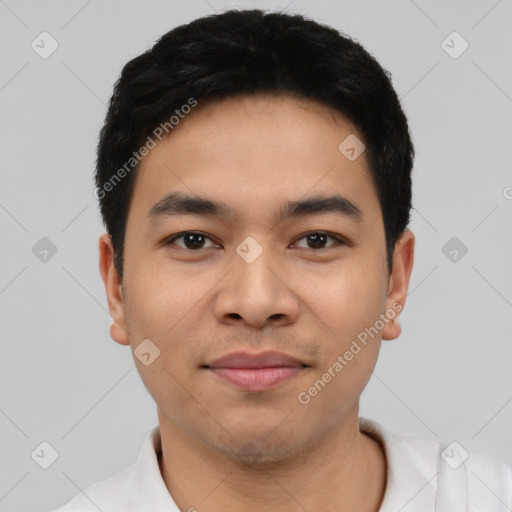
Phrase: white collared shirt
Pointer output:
(423, 476)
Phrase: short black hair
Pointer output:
(249, 52)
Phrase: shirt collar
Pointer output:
(411, 468)
(147, 489)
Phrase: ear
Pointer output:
(399, 283)
(113, 289)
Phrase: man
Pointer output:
(254, 177)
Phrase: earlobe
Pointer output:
(399, 284)
(113, 289)
(119, 334)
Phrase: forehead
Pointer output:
(251, 151)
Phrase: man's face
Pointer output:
(255, 281)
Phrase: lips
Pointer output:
(269, 359)
(256, 372)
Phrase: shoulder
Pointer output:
(481, 481)
(488, 482)
(450, 475)
(485, 481)
(103, 495)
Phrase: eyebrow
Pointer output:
(177, 203)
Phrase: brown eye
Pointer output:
(192, 241)
(317, 240)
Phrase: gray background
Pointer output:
(64, 381)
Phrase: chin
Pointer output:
(250, 455)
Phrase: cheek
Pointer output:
(347, 300)
(161, 296)
(156, 311)
(166, 306)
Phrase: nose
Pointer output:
(257, 293)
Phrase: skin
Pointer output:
(224, 448)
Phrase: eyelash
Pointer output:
(339, 240)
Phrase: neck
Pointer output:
(344, 471)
